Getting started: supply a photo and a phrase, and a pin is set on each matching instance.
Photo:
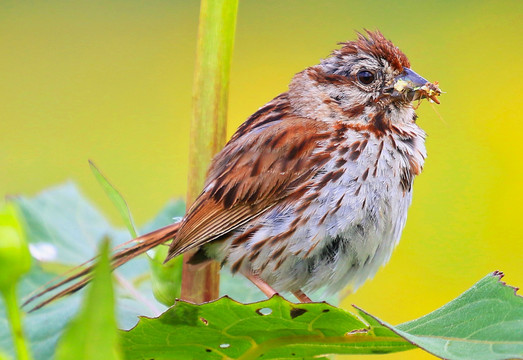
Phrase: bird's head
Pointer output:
(367, 75)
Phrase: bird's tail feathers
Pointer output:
(80, 275)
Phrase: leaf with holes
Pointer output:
(271, 329)
(485, 323)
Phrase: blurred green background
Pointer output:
(111, 81)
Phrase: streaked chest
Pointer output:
(369, 185)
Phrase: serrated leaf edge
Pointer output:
(496, 273)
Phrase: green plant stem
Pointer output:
(209, 120)
(15, 320)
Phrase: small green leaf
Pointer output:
(14, 253)
(484, 323)
(15, 261)
(166, 279)
(274, 328)
(92, 334)
(116, 198)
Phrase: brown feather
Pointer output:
(379, 46)
(234, 193)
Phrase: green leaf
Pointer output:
(63, 230)
(484, 323)
(274, 328)
(14, 252)
(166, 278)
(116, 198)
(92, 334)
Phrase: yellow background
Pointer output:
(111, 81)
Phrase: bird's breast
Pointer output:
(359, 216)
(344, 226)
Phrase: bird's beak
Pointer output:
(409, 86)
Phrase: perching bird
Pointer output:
(312, 190)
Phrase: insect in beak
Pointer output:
(410, 86)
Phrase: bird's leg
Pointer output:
(300, 295)
(269, 291)
(262, 285)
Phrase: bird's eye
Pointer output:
(365, 77)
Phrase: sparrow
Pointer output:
(312, 190)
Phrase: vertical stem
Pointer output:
(13, 312)
(209, 120)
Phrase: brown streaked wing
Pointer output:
(250, 175)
